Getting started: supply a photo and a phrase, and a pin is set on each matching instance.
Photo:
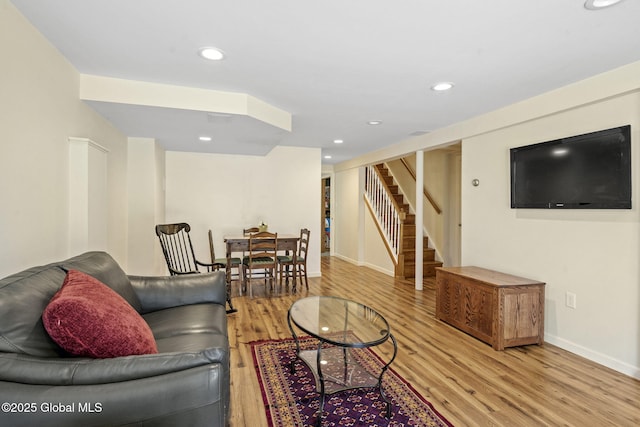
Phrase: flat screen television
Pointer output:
(590, 171)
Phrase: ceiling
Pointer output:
(333, 65)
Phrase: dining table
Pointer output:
(240, 243)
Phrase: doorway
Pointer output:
(326, 217)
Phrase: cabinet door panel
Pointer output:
(521, 315)
(478, 309)
(457, 308)
(443, 297)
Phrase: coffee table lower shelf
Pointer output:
(339, 369)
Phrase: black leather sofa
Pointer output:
(186, 383)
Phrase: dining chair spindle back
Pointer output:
(250, 230)
(262, 256)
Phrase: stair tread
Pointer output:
(427, 271)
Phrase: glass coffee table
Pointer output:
(341, 327)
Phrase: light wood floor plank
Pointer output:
(466, 380)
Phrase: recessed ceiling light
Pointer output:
(374, 122)
(439, 87)
(327, 157)
(212, 53)
(205, 138)
(419, 133)
(219, 117)
(599, 4)
(338, 141)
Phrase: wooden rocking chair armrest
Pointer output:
(181, 273)
(211, 266)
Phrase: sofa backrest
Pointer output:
(104, 268)
(24, 296)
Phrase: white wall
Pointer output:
(39, 111)
(592, 253)
(146, 204)
(87, 192)
(346, 212)
(375, 253)
(226, 193)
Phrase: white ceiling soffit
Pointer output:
(179, 130)
(177, 116)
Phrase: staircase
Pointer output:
(407, 255)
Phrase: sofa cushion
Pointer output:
(87, 318)
(187, 320)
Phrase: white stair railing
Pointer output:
(385, 209)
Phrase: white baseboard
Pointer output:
(365, 264)
(349, 260)
(602, 359)
(379, 269)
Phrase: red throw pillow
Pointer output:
(87, 318)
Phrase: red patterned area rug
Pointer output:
(292, 400)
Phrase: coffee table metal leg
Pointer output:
(295, 338)
(384, 369)
(321, 381)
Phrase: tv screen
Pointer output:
(590, 171)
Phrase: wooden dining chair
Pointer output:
(260, 259)
(247, 232)
(230, 264)
(294, 266)
(250, 230)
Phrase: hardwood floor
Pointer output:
(466, 380)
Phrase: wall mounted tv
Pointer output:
(590, 171)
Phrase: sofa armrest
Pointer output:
(160, 292)
(25, 369)
(194, 397)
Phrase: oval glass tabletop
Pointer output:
(339, 321)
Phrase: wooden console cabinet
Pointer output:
(497, 308)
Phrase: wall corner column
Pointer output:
(419, 218)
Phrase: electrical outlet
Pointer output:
(570, 300)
